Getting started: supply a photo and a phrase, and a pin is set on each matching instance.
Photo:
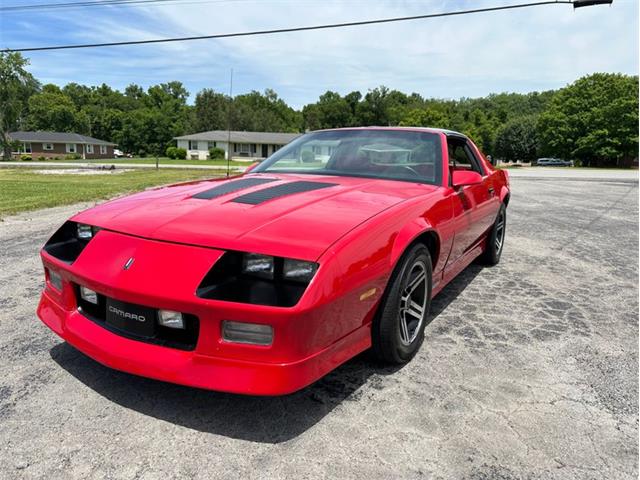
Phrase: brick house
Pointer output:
(60, 144)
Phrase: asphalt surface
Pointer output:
(529, 370)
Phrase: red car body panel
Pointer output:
(356, 231)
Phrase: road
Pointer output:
(529, 370)
(582, 174)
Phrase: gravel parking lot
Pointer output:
(529, 370)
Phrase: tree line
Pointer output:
(593, 121)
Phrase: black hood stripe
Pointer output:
(229, 187)
(265, 194)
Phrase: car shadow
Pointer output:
(256, 419)
(454, 288)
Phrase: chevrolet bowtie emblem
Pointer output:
(128, 264)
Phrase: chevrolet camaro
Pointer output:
(263, 283)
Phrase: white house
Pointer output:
(243, 144)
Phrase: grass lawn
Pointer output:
(152, 161)
(22, 190)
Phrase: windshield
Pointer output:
(389, 154)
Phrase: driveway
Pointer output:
(529, 370)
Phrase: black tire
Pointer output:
(493, 249)
(389, 343)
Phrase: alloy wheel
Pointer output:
(500, 233)
(413, 303)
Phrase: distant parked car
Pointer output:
(119, 154)
(554, 162)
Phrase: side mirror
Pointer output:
(461, 178)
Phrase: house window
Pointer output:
(212, 145)
(89, 148)
(72, 148)
(103, 149)
(27, 148)
(244, 147)
(47, 146)
(193, 145)
(275, 148)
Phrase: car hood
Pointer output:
(299, 225)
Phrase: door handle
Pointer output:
(491, 191)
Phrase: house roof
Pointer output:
(241, 137)
(56, 137)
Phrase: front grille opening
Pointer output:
(64, 244)
(225, 281)
(167, 337)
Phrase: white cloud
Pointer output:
(517, 50)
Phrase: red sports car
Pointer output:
(263, 283)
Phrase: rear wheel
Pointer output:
(398, 328)
(495, 239)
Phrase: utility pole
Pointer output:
(229, 123)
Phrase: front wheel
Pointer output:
(495, 239)
(398, 328)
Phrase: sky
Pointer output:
(524, 50)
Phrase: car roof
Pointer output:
(448, 133)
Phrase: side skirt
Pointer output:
(451, 271)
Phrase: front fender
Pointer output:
(504, 194)
(407, 235)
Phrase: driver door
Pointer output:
(475, 204)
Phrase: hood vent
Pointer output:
(229, 187)
(266, 194)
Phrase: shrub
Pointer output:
(73, 156)
(171, 152)
(216, 153)
(181, 153)
(41, 159)
(142, 153)
(25, 157)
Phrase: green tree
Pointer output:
(211, 111)
(80, 95)
(263, 113)
(594, 120)
(373, 109)
(52, 110)
(424, 117)
(517, 140)
(16, 86)
(330, 111)
(353, 99)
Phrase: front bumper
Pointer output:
(310, 339)
(192, 368)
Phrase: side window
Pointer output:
(462, 158)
